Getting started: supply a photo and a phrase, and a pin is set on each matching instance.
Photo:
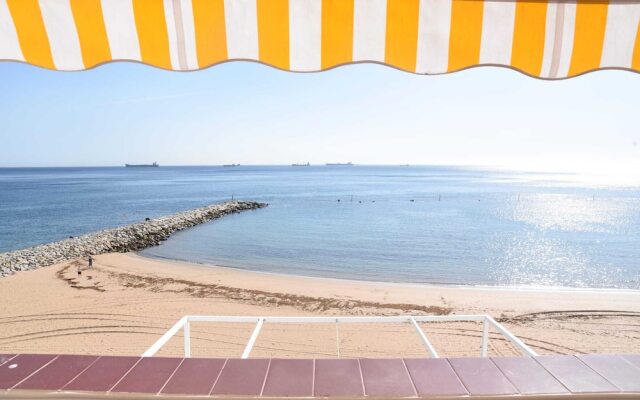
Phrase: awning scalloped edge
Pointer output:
(543, 39)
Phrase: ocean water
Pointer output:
(441, 225)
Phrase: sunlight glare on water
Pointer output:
(571, 213)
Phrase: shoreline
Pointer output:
(125, 302)
(537, 289)
(478, 299)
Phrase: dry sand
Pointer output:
(126, 302)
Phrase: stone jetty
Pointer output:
(121, 240)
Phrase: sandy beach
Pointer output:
(126, 302)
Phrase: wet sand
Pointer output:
(126, 302)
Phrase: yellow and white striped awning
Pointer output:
(547, 39)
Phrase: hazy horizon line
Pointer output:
(353, 164)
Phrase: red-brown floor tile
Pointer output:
(434, 376)
(241, 377)
(338, 378)
(481, 376)
(148, 376)
(102, 375)
(58, 373)
(195, 376)
(289, 378)
(386, 377)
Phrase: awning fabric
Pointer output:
(547, 39)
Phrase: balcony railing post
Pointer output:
(187, 339)
(337, 338)
(485, 336)
(511, 337)
(424, 338)
(252, 339)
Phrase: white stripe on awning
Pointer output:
(369, 29)
(120, 25)
(622, 25)
(63, 37)
(189, 35)
(242, 29)
(567, 26)
(176, 45)
(497, 32)
(433, 36)
(305, 33)
(9, 44)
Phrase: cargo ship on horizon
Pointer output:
(154, 165)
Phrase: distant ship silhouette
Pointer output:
(155, 164)
(339, 164)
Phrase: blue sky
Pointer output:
(251, 114)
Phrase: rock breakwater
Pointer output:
(123, 239)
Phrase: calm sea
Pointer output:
(404, 224)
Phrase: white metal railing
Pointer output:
(487, 322)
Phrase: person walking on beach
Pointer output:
(90, 261)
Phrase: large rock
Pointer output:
(121, 240)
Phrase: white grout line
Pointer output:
(554, 377)
(80, 373)
(266, 375)
(364, 390)
(598, 373)
(9, 359)
(458, 377)
(34, 372)
(125, 374)
(171, 376)
(313, 379)
(218, 377)
(621, 356)
(406, 369)
(505, 375)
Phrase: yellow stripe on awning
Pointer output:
(402, 33)
(548, 39)
(32, 35)
(528, 36)
(210, 31)
(466, 33)
(152, 32)
(635, 63)
(337, 32)
(591, 22)
(87, 15)
(273, 32)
